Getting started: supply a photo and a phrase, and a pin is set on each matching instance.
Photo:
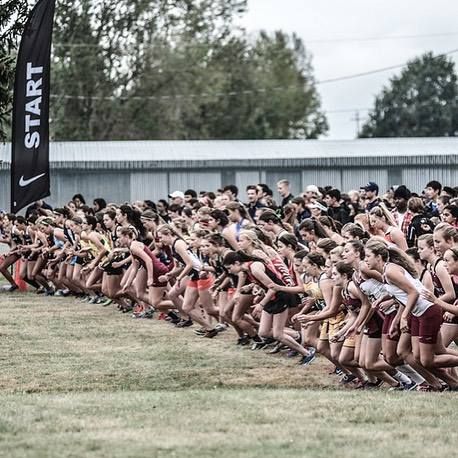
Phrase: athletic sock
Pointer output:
(32, 283)
(406, 369)
(400, 377)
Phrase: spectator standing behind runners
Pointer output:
(371, 195)
(311, 193)
(302, 212)
(336, 210)
(162, 207)
(232, 191)
(78, 200)
(253, 200)
(189, 194)
(98, 204)
(432, 193)
(177, 198)
(402, 215)
(419, 224)
(285, 192)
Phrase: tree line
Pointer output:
(182, 69)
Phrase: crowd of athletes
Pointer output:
(368, 281)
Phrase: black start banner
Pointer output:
(30, 139)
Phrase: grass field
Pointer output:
(80, 380)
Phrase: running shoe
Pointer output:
(221, 327)
(12, 288)
(373, 385)
(450, 388)
(308, 359)
(184, 324)
(200, 331)
(411, 386)
(148, 313)
(275, 349)
(211, 333)
(106, 302)
(401, 386)
(259, 345)
(336, 371)
(243, 341)
(361, 385)
(173, 318)
(348, 378)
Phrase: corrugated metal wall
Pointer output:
(4, 190)
(112, 186)
(322, 177)
(416, 178)
(353, 178)
(193, 179)
(131, 185)
(245, 178)
(148, 185)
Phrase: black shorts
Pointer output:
(281, 302)
(81, 261)
(108, 268)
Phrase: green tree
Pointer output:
(421, 102)
(176, 69)
(13, 15)
(111, 56)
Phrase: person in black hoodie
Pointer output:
(336, 209)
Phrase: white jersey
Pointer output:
(374, 290)
(400, 295)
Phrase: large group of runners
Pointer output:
(369, 282)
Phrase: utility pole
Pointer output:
(357, 119)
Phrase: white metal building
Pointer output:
(126, 171)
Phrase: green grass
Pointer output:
(79, 380)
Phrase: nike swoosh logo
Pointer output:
(23, 182)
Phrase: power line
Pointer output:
(383, 38)
(377, 70)
(313, 41)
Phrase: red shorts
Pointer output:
(427, 326)
(387, 321)
(201, 283)
(374, 326)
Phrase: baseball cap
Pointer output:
(312, 188)
(371, 186)
(176, 194)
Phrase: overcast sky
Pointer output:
(348, 19)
